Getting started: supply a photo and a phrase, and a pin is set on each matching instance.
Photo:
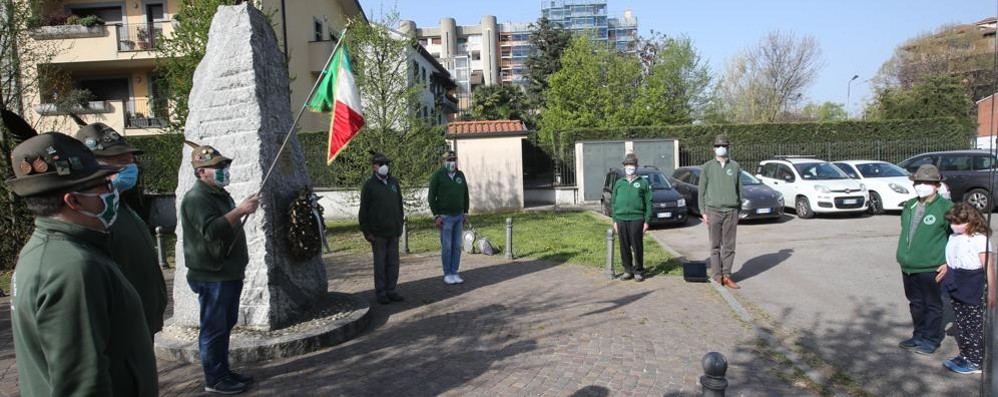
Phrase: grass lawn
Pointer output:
(565, 236)
(5, 281)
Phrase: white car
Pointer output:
(813, 186)
(888, 185)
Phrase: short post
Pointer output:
(609, 253)
(713, 381)
(160, 242)
(405, 235)
(509, 238)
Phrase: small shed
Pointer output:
(490, 153)
(593, 159)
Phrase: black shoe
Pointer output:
(384, 300)
(626, 276)
(247, 379)
(395, 298)
(226, 386)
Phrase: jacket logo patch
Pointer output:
(929, 219)
(395, 188)
(731, 172)
(637, 185)
(458, 180)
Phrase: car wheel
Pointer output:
(876, 205)
(804, 208)
(979, 199)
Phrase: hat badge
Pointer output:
(91, 143)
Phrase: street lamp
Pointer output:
(848, 94)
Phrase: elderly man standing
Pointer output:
(632, 208)
(132, 245)
(381, 222)
(922, 254)
(449, 202)
(216, 256)
(78, 324)
(720, 191)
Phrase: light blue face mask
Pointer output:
(127, 178)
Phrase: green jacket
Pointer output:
(448, 196)
(631, 201)
(134, 251)
(381, 207)
(214, 250)
(720, 188)
(78, 324)
(927, 249)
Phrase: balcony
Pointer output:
(145, 113)
(137, 116)
(140, 37)
(106, 44)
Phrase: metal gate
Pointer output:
(597, 158)
(659, 153)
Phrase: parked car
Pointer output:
(967, 172)
(887, 184)
(758, 202)
(669, 205)
(813, 186)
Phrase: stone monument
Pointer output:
(240, 105)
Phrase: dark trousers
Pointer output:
(926, 306)
(219, 302)
(970, 319)
(632, 237)
(723, 230)
(386, 265)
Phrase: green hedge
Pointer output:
(160, 161)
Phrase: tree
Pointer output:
(769, 80)
(499, 102)
(549, 41)
(676, 84)
(937, 96)
(825, 112)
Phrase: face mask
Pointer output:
(958, 229)
(127, 178)
(383, 170)
(630, 169)
(451, 166)
(222, 177)
(721, 151)
(924, 190)
(110, 212)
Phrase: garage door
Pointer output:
(598, 157)
(659, 153)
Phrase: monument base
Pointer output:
(339, 318)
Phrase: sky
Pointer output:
(856, 37)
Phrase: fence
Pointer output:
(145, 113)
(139, 37)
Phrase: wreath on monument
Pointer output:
(307, 230)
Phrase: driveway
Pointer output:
(832, 284)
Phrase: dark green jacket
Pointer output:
(208, 236)
(381, 207)
(78, 324)
(448, 196)
(632, 200)
(720, 188)
(927, 249)
(134, 251)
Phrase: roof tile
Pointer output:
(471, 128)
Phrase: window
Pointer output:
(819, 171)
(424, 74)
(608, 181)
(748, 179)
(955, 163)
(768, 170)
(435, 40)
(317, 27)
(848, 170)
(476, 55)
(913, 164)
(681, 175)
(462, 40)
(110, 14)
(984, 162)
(784, 173)
(415, 71)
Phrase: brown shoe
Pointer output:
(728, 282)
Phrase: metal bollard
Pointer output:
(609, 254)
(405, 235)
(509, 238)
(713, 381)
(160, 241)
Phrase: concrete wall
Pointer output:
(494, 168)
(345, 204)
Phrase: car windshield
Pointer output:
(748, 179)
(818, 171)
(657, 180)
(880, 170)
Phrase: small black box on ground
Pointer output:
(695, 272)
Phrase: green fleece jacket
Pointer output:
(214, 249)
(632, 200)
(78, 324)
(720, 188)
(134, 251)
(381, 207)
(927, 249)
(448, 196)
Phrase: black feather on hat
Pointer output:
(20, 130)
(378, 158)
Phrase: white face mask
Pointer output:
(383, 170)
(630, 169)
(721, 151)
(924, 190)
(221, 177)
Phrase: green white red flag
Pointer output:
(337, 92)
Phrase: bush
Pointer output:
(73, 20)
(160, 161)
(17, 224)
(89, 21)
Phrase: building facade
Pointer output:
(590, 17)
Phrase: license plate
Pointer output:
(665, 215)
(763, 210)
(850, 201)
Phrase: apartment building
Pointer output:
(590, 16)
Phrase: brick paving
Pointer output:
(512, 329)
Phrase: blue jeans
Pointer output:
(219, 302)
(450, 242)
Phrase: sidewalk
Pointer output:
(520, 328)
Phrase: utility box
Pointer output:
(593, 159)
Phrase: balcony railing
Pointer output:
(140, 37)
(145, 113)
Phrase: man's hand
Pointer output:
(369, 237)
(250, 205)
(615, 231)
(991, 298)
(706, 218)
(645, 229)
(941, 272)
(438, 221)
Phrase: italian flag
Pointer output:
(337, 92)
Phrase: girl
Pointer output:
(963, 278)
